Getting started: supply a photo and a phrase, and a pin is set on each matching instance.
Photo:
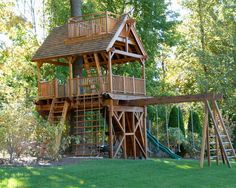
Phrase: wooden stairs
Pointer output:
(218, 142)
(58, 111)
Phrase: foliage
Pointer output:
(17, 128)
(176, 119)
(194, 124)
(176, 136)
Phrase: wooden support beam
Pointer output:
(110, 72)
(138, 56)
(123, 40)
(57, 63)
(110, 128)
(173, 99)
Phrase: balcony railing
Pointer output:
(92, 24)
(91, 85)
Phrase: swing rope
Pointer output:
(179, 127)
(167, 128)
(191, 114)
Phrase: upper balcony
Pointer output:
(90, 25)
(91, 85)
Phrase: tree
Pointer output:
(176, 119)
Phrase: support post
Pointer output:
(143, 76)
(145, 130)
(39, 77)
(110, 129)
(110, 72)
(71, 77)
(204, 132)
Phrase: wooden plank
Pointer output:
(173, 99)
(128, 109)
(204, 134)
(208, 147)
(124, 142)
(138, 56)
(110, 128)
(57, 63)
(110, 72)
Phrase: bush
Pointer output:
(176, 119)
(17, 128)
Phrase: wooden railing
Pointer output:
(91, 85)
(128, 85)
(92, 24)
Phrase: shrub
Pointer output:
(17, 128)
(176, 119)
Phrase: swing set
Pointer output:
(216, 143)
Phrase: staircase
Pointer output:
(88, 125)
(58, 111)
(219, 145)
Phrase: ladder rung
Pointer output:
(227, 150)
(214, 157)
(231, 157)
(212, 143)
(87, 109)
(212, 149)
(89, 132)
(56, 112)
(87, 127)
(85, 121)
(223, 135)
(225, 143)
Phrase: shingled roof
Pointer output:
(54, 45)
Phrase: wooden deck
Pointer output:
(91, 85)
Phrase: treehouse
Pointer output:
(92, 100)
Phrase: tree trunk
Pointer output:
(76, 6)
(76, 10)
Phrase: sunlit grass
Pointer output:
(121, 173)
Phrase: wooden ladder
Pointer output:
(219, 145)
(58, 111)
(87, 120)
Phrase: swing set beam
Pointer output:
(174, 99)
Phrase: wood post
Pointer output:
(39, 64)
(71, 85)
(110, 128)
(55, 88)
(145, 130)
(110, 72)
(143, 76)
(204, 132)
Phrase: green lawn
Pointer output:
(121, 173)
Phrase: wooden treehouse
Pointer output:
(101, 107)
(90, 101)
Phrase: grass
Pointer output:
(121, 173)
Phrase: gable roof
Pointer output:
(55, 46)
